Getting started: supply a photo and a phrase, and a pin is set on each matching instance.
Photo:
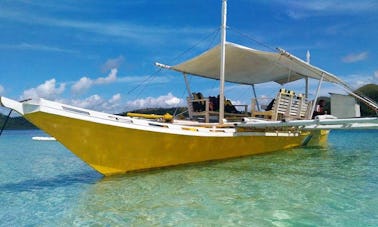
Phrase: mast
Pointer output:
(222, 61)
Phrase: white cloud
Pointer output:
(82, 85)
(35, 47)
(336, 5)
(112, 63)
(115, 98)
(49, 90)
(164, 101)
(351, 58)
(115, 104)
(96, 102)
(359, 80)
(1, 89)
(144, 79)
(88, 103)
(297, 9)
(149, 35)
(112, 77)
(85, 83)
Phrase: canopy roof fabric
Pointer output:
(249, 66)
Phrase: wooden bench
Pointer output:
(206, 111)
(258, 112)
(286, 105)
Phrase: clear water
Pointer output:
(43, 184)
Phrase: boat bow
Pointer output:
(12, 104)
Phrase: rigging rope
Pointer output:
(254, 40)
(5, 122)
(212, 34)
(143, 84)
(144, 81)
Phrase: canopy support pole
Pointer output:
(257, 101)
(187, 85)
(222, 62)
(308, 57)
(317, 94)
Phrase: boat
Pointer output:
(113, 144)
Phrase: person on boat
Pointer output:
(319, 110)
(198, 106)
(213, 103)
(229, 107)
(270, 105)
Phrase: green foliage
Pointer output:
(371, 91)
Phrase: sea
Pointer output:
(43, 184)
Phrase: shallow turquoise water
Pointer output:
(43, 184)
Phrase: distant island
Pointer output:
(19, 123)
(371, 91)
(16, 123)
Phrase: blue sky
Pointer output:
(100, 54)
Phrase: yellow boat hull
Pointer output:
(114, 150)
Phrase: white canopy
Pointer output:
(249, 66)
